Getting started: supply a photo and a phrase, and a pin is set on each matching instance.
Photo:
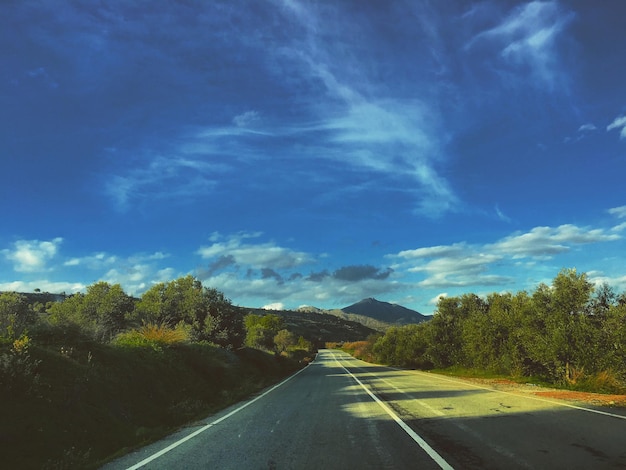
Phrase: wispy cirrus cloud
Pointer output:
(360, 120)
(176, 178)
(527, 39)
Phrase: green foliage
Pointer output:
(18, 370)
(404, 346)
(207, 311)
(101, 312)
(567, 333)
(16, 316)
(86, 401)
(284, 340)
(261, 330)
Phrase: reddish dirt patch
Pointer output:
(597, 399)
(584, 397)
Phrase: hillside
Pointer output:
(385, 312)
(320, 326)
(369, 322)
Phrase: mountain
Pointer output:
(385, 312)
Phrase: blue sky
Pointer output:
(300, 153)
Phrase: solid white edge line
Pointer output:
(504, 392)
(432, 453)
(158, 454)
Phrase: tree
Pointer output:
(283, 340)
(15, 315)
(404, 346)
(101, 312)
(261, 330)
(106, 306)
(209, 313)
(560, 334)
(446, 328)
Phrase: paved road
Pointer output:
(341, 413)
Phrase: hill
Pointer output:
(319, 326)
(369, 322)
(384, 311)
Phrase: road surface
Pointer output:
(343, 413)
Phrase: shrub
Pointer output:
(18, 371)
(153, 336)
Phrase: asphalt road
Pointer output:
(342, 413)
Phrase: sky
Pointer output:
(292, 153)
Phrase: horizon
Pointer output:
(290, 153)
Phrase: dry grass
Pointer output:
(152, 335)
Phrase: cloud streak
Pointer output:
(618, 123)
(462, 264)
(257, 256)
(527, 38)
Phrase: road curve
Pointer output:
(340, 412)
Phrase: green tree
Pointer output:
(210, 314)
(283, 340)
(560, 334)
(15, 315)
(101, 312)
(261, 330)
(404, 346)
(106, 306)
(446, 342)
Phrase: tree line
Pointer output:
(105, 313)
(568, 333)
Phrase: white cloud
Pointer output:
(464, 265)
(274, 306)
(545, 242)
(44, 285)
(435, 299)
(261, 255)
(139, 277)
(618, 123)
(95, 261)
(246, 119)
(587, 128)
(30, 256)
(433, 251)
(619, 212)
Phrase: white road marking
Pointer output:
(432, 453)
(155, 456)
(567, 405)
(501, 450)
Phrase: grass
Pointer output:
(93, 401)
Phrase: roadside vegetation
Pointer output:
(568, 334)
(100, 373)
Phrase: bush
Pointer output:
(18, 371)
(152, 336)
(15, 316)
